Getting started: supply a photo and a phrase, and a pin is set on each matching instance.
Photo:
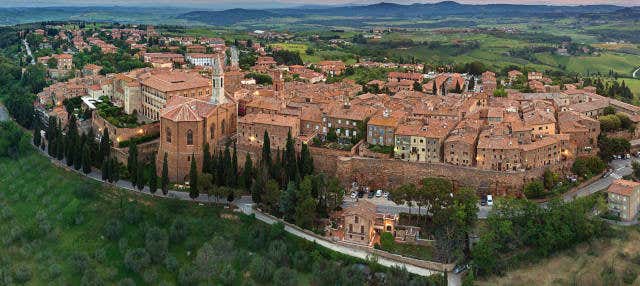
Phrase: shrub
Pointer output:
(127, 282)
(278, 252)
(301, 261)
(285, 277)
(157, 243)
(132, 214)
(178, 230)
(261, 269)
(227, 275)
(387, 241)
(534, 189)
(137, 259)
(588, 166)
(91, 278)
(113, 229)
(171, 263)
(100, 255)
(186, 276)
(54, 271)
(150, 276)
(22, 273)
(80, 262)
(629, 276)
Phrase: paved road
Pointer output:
(635, 72)
(26, 46)
(620, 169)
(4, 114)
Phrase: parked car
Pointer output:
(379, 193)
(460, 268)
(483, 200)
(627, 156)
(354, 195)
(371, 194)
(489, 200)
(385, 195)
(360, 194)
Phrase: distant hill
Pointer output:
(227, 17)
(393, 10)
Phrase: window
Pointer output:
(362, 229)
(189, 137)
(168, 134)
(350, 228)
(356, 219)
(212, 131)
(222, 127)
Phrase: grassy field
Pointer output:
(608, 261)
(59, 228)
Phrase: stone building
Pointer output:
(160, 85)
(623, 198)
(460, 146)
(251, 128)
(381, 128)
(425, 140)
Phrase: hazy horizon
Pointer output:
(261, 4)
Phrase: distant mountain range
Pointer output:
(349, 15)
(392, 10)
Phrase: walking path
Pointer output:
(26, 46)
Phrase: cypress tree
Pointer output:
(105, 147)
(51, 129)
(306, 161)
(206, 159)
(164, 180)
(266, 151)
(228, 176)
(247, 173)
(114, 172)
(77, 154)
(434, 88)
(60, 146)
(289, 160)
(72, 133)
(193, 179)
(106, 168)
(52, 147)
(234, 166)
(132, 163)
(153, 176)
(220, 179)
(86, 159)
(140, 180)
(36, 134)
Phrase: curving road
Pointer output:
(4, 115)
(620, 169)
(635, 72)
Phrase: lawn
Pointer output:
(607, 261)
(60, 228)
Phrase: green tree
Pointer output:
(52, 63)
(140, 177)
(306, 161)
(247, 173)
(86, 159)
(132, 164)
(534, 189)
(193, 179)
(153, 176)
(549, 179)
(265, 159)
(287, 204)
(417, 86)
(234, 166)
(164, 180)
(206, 159)
(36, 134)
(105, 147)
(271, 195)
(290, 162)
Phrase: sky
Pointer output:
(256, 4)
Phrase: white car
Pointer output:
(354, 195)
(379, 193)
(489, 200)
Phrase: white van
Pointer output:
(489, 200)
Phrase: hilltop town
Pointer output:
(368, 157)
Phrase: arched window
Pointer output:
(223, 127)
(212, 131)
(168, 134)
(189, 137)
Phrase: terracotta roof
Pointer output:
(623, 187)
(434, 128)
(174, 80)
(187, 109)
(270, 119)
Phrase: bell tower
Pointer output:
(217, 78)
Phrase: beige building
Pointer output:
(251, 128)
(623, 198)
(423, 141)
(158, 86)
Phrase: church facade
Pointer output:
(187, 124)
